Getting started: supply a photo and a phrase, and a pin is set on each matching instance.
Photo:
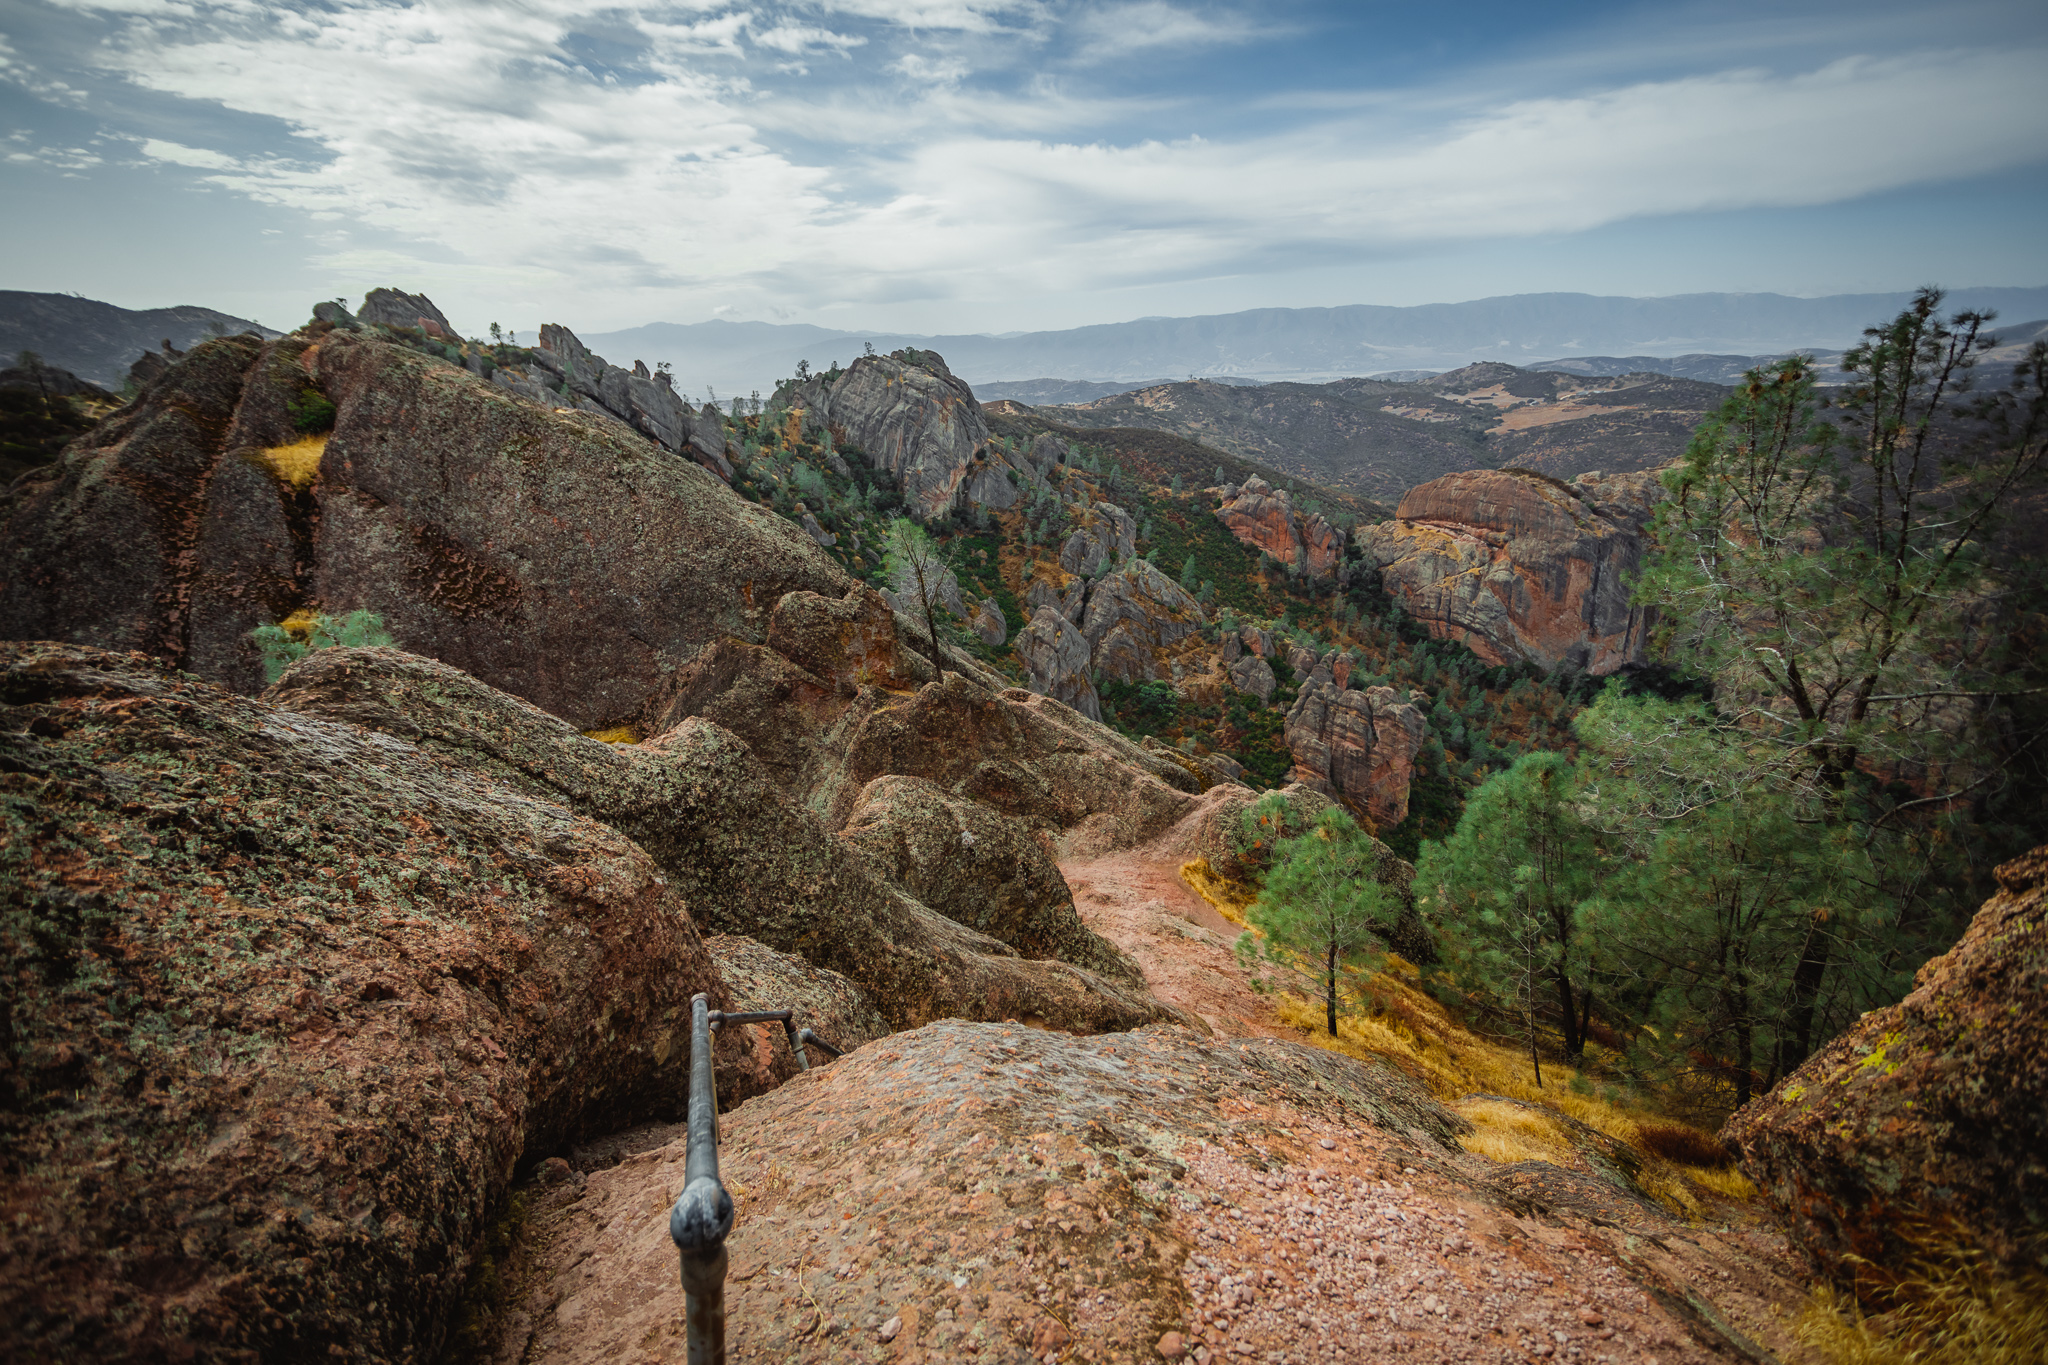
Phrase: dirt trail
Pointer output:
(1136, 899)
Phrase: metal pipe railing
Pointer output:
(702, 1217)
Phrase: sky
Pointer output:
(948, 166)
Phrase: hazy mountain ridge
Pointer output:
(1310, 344)
(99, 341)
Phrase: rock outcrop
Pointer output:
(1922, 1123)
(977, 868)
(746, 857)
(1359, 747)
(1520, 566)
(988, 622)
(648, 403)
(1106, 534)
(913, 420)
(288, 1003)
(1266, 518)
(1133, 615)
(994, 1193)
(1055, 655)
(396, 308)
(559, 557)
(1254, 675)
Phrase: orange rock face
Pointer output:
(1518, 565)
(1264, 516)
(1359, 747)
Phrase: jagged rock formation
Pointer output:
(1107, 534)
(648, 403)
(1265, 517)
(1135, 614)
(1923, 1121)
(913, 419)
(580, 574)
(988, 622)
(1520, 566)
(1359, 747)
(288, 1001)
(1254, 675)
(396, 308)
(1055, 655)
(746, 857)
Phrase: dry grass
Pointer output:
(1230, 898)
(298, 462)
(618, 734)
(1407, 1028)
(1951, 1306)
(300, 624)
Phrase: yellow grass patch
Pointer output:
(1230, 898)
(1952, 1306)
(298, 462)
(618, 734)
(1508, 1133)
(299, 625)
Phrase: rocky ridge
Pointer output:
(1265, 517)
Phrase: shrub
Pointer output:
(303, 631)
(1686, 1146)
(311, 412)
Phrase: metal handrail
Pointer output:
(703, 1213)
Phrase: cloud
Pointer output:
(594, 151)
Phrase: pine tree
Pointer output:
(1321, 902)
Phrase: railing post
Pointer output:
(702, 1215)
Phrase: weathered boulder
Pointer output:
(396, 308)
(1106, 533)
(1055, 655)
(746, 857)
(559, 557)
(988, 622)
(1520, 566)
(1359, 747)
(1266, 518)
(288, 1002)
(1132, 615)
(1254, 675)
(977, 868)
(913, 420)
(1924, 1121)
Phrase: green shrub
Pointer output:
(301, 632)
(311, 412)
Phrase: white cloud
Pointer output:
(1109, 31)
(156, 149)
(575, 149)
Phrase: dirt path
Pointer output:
(1136, 899)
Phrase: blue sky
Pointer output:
(989, 165)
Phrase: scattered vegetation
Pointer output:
(1949, 1305)
(297, 463)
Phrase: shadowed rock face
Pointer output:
(288, 1001)
(1926, 1117)
(915, 421)
(1357, 746)
(396, 308)
(1519, 566)
(561, 558)
(1266, 518)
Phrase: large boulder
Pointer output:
(288, 1003)
(1359, 747)
(748, 858)
(396, 308)
(1134, 615)
(914, 420)
(998, 1194)
(1522, 567)
(560, 557)
(1056, 654)
(978, 868)
(1106, 534)
(1924, 1120)
(1265, 518)
(1254, 675)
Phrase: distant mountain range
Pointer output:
(98, 341)
(1308, 344)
